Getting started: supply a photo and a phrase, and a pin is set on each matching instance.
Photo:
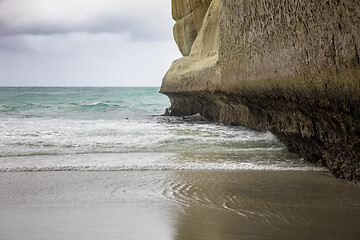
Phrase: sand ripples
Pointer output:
(210, 192)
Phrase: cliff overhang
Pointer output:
(289, 67)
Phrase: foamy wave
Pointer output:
(64, 136)
(167, 167)
(123, 150)
(99, 104)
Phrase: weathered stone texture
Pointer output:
(189, 15)
(288, 66)
(277, 38)
(200, 70)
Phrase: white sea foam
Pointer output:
(21, 137)
(145, 162)
(63, 129)
(158, 168)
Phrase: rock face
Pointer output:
(291, 67)
(189, 16)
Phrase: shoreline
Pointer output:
(177, 205)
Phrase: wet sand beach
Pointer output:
(189, 204)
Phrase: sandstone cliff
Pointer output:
(288, 66)
(189, 16)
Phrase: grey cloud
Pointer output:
(143, 24)
(61, 42)
(138, 29)
(85, 42)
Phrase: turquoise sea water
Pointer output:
(81, 103)
(38, 126)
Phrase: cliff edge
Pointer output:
(289, 67)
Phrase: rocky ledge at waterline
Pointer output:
(289, 67)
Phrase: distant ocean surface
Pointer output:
(39, 125)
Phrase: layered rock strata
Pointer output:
(291, 67)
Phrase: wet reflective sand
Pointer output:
(186, 205)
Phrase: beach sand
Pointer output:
(178, 205)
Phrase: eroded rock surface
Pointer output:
(189, 15)
(290, 67)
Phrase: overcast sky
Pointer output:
(85, 42)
